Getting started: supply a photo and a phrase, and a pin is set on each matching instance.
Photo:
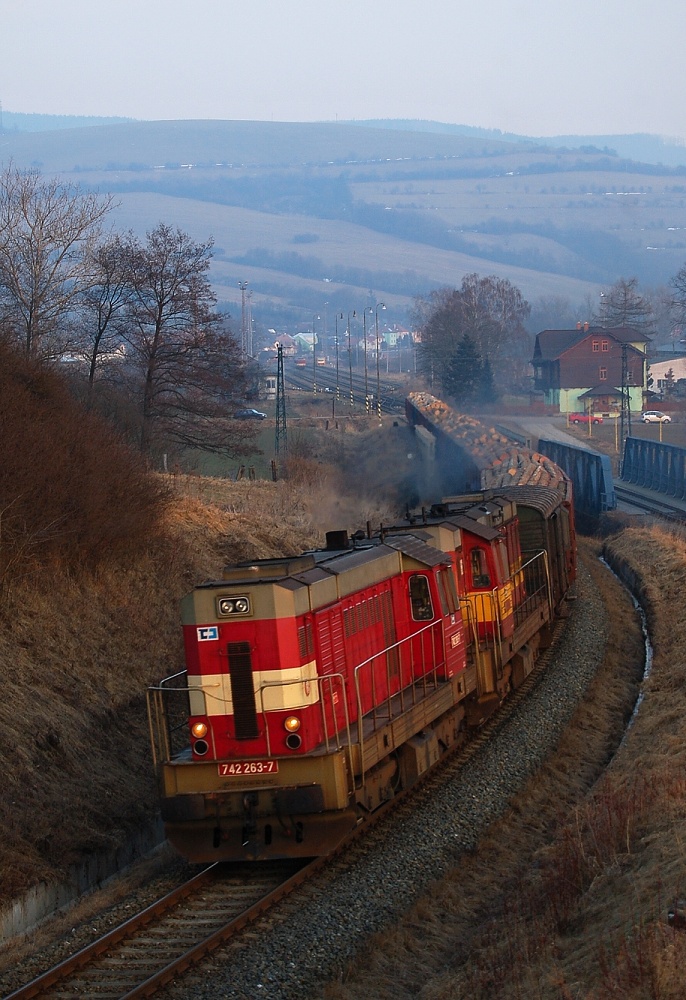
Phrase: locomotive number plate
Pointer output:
(235, 767)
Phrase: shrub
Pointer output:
(71, 492)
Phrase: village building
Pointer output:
(664, 376)
(587, 368)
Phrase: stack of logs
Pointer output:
(502, 463)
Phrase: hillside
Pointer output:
(577, 884)
(341, 212)
(96, 552)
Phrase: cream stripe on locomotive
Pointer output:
(281, 690)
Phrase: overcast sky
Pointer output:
(535, 67)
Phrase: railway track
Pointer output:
(146, 952)
(650, 505)
(157, 945)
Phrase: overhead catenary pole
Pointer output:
(350, 361)
(314, 355)
(248, 329)
(338, 386)
(379, 305)
(366, 381)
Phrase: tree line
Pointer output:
(135, 323)
(474, 339)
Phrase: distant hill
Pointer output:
(328, 217)
(14, 121)
(645, 148)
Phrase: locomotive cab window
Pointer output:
(480, 574)
(420, 599)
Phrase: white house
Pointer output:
(659, 371)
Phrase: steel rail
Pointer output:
(650, 505)
(455, 759)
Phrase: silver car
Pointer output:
(655, 417)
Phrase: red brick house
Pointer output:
(574, 368)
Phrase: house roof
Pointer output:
(600, 390)
(551, 344)
(624, 334)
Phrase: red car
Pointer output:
(585, 418)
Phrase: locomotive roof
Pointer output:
(266, 569)
(318, 566)
(415, 548)
(474, 527)
(408, 543)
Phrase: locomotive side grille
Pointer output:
(242, 690)
(305, 640)
(331, 639)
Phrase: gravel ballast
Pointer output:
(397, 863)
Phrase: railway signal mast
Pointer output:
(281, 437)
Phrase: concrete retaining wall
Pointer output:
(43, 900)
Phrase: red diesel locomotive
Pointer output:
(317, 687)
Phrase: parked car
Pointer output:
(655, 417)
(249, 415)
(585, 418)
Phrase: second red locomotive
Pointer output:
(318, 686)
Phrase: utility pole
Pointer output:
(626, 397)
(281, 438)
(248, 329)
(243, 285)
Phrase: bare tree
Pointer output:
(622, 305)
(185, 364)
(109, 291)
(104, 300)
(678, 283)
(46, 228)
(490, 311)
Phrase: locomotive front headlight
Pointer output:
(227, 606)
(292, 724)
(199, 729)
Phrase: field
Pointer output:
(336, 214)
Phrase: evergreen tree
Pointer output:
(463, 375)
(486, 390)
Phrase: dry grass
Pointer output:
(567, 895)
(78, 650)
(77, 653)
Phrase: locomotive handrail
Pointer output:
(320, 678)
(432, 627)
(159, 728)
(158, 718)
(540, 555)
